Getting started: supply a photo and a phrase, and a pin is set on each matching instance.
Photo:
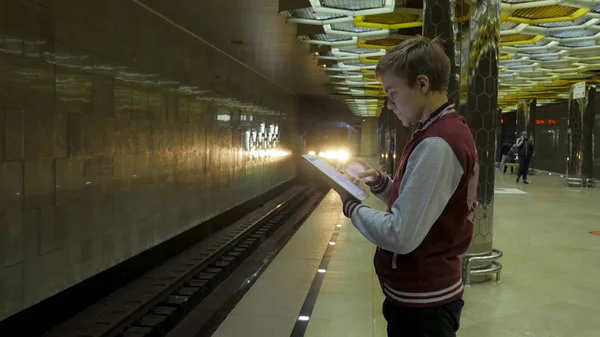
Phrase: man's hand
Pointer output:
(359, 169)
(369, 175)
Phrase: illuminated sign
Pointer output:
(545, 122)
(224, 117)
(538, 121)
(264, 138)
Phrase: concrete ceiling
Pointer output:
(252, 32)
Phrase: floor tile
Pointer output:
(252, 325)
(319, 327)
(356, 285)
(557, 319)
(340, 306)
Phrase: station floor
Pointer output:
(550, 281)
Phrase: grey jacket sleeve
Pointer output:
(432, 174)
(381, 187)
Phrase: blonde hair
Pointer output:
(417, 56)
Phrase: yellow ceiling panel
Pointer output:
(391, 18)
(516, 37)
(506, 56)
(532, 40)
(544, 12)
(371, 59)
(360, 22)
(387, 44)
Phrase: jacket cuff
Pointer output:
(379, 185)
(351, 206)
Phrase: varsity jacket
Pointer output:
(428, 223)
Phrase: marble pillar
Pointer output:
(530, 128)
(439, 22)
(388, 133)
(522, 116)
(531, 120)
(596, 138)
(588, 149)
(580, 137)
(471, 34)
(391, 145)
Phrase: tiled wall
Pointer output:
(111, 139)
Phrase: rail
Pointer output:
(159, 299)
(581, 182)
(494, 268)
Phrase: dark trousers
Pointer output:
(441, 321)
(523, 167)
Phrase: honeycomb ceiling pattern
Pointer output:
(545, 46)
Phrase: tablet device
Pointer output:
(337, 180)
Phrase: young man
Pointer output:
(431, 201)
(526, 151)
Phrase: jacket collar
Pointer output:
(443, 110)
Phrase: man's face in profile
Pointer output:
(407, 103)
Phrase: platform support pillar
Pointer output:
(580, 135)
(471, 33)
(522, 116)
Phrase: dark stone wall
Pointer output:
(117, 131)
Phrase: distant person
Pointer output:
(526, 150)
(510, 158)
(503, 153)
(431, 201)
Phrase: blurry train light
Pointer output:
(277, 153)
(341, 155)
(270, 153)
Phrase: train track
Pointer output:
(154, 303)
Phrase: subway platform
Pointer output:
(323, 282)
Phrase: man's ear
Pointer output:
(423, 84)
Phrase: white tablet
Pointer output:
(337, 180)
